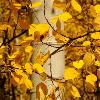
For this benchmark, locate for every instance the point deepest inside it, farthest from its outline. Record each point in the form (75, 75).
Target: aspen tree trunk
(57, 60)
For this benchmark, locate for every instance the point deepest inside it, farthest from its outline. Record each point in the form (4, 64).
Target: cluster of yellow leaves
(34, 5)
(78, 64)
(70, 73)
(5, 26)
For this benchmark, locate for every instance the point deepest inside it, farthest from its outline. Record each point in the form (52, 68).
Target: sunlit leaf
(97, 8)
(17, 5)
(5, 26)
(40, 28)
(58, 4)
(60, 38)
(45, 58)
(75, 92)
(89, 59)
(38, 68)
(97, 63)
(35, 5)
(95, 35)
(1, 56)
(64, 17)
(86, 43)
(28, 68)
(91, 79)
(78, 64)
(76, 6)
(28, 83)
(29, 49)
(70, 73)
(41, 91)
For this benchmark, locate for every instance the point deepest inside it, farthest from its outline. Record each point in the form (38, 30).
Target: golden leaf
(91, 79)
(60, 38)
(58, 4)
(70, 73)
(95, 35)
(38, 68)
(5, 26)
(41, 91)
(29, 49)
(28, 83)
(75, 92)
(17, 5)
(89, 59)
(1, 56)
(97, 8)
(35, 5)
(64, 17)
(76, 6)
(39, 30)
(45, 58)
(86, 43)
(97, 63)
(28, 68)
(78, 64)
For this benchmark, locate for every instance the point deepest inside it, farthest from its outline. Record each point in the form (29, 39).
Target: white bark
(57, 60)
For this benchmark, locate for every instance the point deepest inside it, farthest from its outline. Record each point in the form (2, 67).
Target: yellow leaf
(75, 92)
(91, 79)
(17, 5)
(41, 28)
(54, 19)
(45, 58)
(58, 4)
(14, 55)
(76, 6)
(32, 29)
(35, 5)
(29, 49)
(89, 59)
(78, 64)
(97, 63)
(5, 26)
(64, 17)
(95, 35)
(17, 80)
(97, 8)
(38, 68)
(19, 72)
(70, 73)
(28, 68)
(1, 56)
(28, 83)
(86, 43)
(60, 38)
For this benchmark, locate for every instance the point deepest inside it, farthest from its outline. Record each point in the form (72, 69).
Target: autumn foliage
(80, 37)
